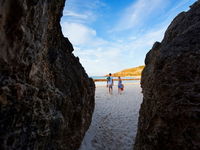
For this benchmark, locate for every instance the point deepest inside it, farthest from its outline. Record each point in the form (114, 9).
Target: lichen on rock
(46, 98)
(170, 112)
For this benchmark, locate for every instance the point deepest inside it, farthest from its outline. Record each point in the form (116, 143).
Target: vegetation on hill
(136, 71)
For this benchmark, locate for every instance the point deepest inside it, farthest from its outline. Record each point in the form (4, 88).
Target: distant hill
(129, 72)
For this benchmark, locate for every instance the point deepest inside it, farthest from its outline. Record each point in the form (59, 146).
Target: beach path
(114, 122)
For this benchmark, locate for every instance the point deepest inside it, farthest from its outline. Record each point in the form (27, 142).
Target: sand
(114, 122)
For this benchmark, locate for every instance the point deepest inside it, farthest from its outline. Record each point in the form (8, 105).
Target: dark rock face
(46, 98)
(170, 112)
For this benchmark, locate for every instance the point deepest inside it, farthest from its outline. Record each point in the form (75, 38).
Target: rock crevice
(46, 98)
(169, 115)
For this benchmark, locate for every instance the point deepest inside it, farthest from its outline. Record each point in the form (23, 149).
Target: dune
(136, 71)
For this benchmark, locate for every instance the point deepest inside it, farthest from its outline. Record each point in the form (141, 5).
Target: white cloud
(100, 56)
(86, 11)
(75, 15)
(80, 34)
(137, 13)
(100, 61)
(115, 56)
(152, 36)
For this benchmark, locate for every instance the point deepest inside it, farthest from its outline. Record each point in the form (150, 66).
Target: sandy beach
(114, 122)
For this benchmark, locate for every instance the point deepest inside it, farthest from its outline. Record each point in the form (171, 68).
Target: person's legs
(120, 91)
(110, 89)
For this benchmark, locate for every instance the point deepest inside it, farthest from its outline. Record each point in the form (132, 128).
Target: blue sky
(112, 35)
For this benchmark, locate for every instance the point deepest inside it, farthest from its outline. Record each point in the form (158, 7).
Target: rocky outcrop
(46, 98)
(136, 71)
(170, 112)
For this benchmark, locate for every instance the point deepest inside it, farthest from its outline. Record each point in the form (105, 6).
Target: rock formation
(46, 98)
(170, 112)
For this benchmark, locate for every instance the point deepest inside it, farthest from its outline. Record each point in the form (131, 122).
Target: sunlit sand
(114, 122)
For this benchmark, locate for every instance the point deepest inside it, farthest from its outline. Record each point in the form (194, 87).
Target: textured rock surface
(170, 112)
(46, 98)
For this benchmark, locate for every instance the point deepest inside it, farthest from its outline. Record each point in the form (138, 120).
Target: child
(120, 86)
(110, 83)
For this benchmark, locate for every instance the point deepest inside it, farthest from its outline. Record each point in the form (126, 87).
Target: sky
(111, 35)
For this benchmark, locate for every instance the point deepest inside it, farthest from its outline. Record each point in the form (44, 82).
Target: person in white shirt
(110, 83)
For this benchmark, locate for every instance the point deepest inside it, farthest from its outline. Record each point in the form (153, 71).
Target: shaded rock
(170, 112)
(46, 98)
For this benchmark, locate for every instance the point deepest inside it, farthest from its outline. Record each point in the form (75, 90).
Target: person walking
(110, 83)
(120, 85)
